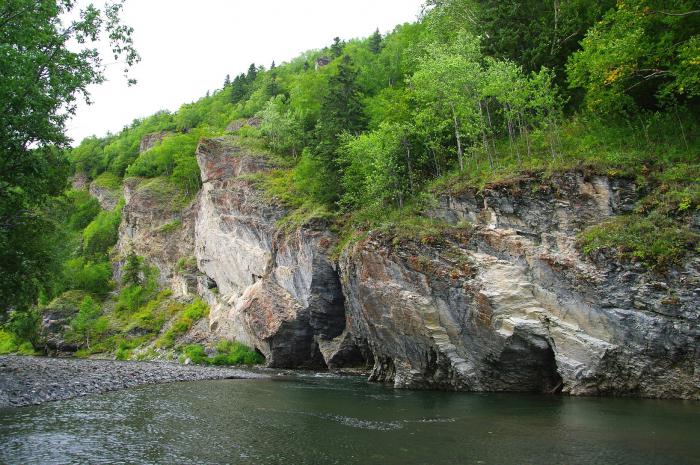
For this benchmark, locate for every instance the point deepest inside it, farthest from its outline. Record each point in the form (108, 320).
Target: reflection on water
(326, 419)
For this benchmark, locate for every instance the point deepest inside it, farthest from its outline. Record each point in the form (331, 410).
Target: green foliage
(655, 241)
(642, 53)
(93, 277)
(131, 298)
(83, 208)
(109, 181)
(11, 344)
(152, 316)
(195, 353)
(173, 157)
(88, 324)
(235, 353)
(47, 61)
(102, 233)
(24, 325)
(227, 353)
(378, 168)
(190, 315)
(131, 273)
(281, 127)
(169, 227)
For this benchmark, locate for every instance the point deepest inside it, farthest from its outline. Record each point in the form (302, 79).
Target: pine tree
(375, 42)
(252, 73)
(227, 81)
(273, 65)
(337, 47)
(239, 88)
(132, 270)
(341, 111)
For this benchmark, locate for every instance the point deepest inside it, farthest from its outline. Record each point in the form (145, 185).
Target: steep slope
(502, 300)
(511, 304)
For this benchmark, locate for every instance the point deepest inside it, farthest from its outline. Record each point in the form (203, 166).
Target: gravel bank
(34, 380)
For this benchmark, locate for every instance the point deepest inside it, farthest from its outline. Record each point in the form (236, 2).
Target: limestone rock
(154, 228)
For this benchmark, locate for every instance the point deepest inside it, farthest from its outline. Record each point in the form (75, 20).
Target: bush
(8, 342)
(131, 298)
(191, 314)
(655, 241)
(25, 326)
(235, 353)
(88, 276)
(102, 233)
(109, 181)
(82, 210)
(89, 324)
(194, 352)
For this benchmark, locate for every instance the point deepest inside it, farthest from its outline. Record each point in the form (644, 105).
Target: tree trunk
(460, 153)
(483, 135)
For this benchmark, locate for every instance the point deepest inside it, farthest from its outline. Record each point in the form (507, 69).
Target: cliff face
(276, 291)
(506, 303)
(513, 306)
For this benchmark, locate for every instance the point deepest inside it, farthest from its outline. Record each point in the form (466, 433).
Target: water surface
(325, 419)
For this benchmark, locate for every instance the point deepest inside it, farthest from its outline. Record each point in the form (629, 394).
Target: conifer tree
(375, 42)
(337, 47)
(341, 112)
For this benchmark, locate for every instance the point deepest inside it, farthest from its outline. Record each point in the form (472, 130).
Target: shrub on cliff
(102, 232)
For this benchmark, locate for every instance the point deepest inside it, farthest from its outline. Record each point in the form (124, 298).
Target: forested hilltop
(365, 133)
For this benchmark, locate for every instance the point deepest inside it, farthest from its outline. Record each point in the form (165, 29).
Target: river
(328, 419)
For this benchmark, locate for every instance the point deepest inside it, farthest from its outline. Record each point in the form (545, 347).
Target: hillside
(444, 205)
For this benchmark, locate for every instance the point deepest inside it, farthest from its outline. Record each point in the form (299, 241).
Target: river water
(327, 419)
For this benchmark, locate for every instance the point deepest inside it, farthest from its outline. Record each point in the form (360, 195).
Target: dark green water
(331, 420)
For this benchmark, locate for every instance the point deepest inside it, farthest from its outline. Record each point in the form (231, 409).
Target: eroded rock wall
(510, 304)
(503, 301)
(275, 290)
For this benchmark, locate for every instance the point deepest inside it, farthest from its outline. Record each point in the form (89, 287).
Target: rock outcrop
(157, 225)
(502, 301)
(150, 140)
(275, 290)
(509, 304)
(107, 198)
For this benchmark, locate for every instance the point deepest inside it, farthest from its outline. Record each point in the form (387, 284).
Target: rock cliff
(275, 290)
(502, 301)
(509, 304)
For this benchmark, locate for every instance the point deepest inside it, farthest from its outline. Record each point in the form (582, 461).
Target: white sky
(187, 47)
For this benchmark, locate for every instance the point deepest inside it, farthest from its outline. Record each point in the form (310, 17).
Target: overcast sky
(187, 47)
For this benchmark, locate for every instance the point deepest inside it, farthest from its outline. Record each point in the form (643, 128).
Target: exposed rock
(107, 198)
(80, 181)
(157, 227)
(275, 291)
(55, 321)
(514, 306)
(150, 140)
(239, 124)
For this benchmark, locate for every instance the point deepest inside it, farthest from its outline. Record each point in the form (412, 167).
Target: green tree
(643, 53)
(447, 86)
(41, 80)
(378, 168)
(132, 270)
(375, 42)
(88, 324)
(341, 111)
(337, 47)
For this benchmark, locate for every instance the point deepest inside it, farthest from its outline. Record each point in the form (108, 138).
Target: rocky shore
(35, 380)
